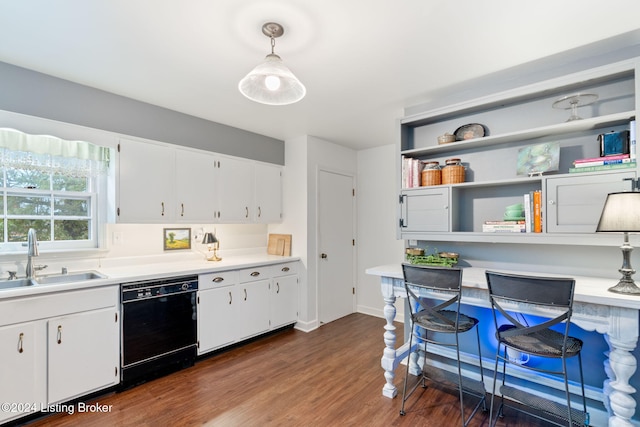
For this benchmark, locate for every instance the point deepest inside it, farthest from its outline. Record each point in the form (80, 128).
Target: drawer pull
(230, 298)
(217, 279)
(20, 342)
(255, 274)
(285, 269)
(59, 334)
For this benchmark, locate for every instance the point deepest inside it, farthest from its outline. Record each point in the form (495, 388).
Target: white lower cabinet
(57, 347)
(253, 308)
(217, 300)
(284, 295)
(23, 354)
(83, 352)
(239, 304)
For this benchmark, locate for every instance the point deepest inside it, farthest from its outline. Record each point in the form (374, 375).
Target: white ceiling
(362, 61)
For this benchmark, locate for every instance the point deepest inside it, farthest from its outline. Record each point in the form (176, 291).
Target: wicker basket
(431, 174)
(431, 177)
(453, 172)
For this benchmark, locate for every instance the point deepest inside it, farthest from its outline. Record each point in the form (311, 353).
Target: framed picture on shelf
(539, 158)
(177, 238)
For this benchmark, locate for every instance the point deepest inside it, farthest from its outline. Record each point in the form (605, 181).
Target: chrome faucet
(32, 250)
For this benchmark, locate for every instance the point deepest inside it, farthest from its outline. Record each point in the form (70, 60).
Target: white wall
(294, 195)
(304, 157)
(376, 228)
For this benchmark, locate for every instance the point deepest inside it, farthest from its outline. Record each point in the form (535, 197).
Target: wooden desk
(595, 309)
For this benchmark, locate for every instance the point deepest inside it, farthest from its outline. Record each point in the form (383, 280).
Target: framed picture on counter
(177, 238)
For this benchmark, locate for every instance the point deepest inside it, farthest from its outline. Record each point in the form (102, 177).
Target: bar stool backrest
(552, 291)
(433, 277)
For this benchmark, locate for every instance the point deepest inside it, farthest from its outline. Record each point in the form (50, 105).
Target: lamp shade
(209, 238)
(272, 83)
(621, 213)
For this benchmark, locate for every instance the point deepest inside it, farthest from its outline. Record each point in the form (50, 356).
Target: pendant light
(271, 82)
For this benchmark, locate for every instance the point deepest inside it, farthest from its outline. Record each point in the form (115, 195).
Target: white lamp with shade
(621, 214)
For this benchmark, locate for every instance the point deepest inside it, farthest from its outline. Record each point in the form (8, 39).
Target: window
(52, 186)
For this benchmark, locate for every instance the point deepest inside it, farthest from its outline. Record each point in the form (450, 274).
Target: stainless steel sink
(69, 278)
(52, 279)
(16, 283)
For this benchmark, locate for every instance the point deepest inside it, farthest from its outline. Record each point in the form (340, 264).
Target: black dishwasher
(159, 328)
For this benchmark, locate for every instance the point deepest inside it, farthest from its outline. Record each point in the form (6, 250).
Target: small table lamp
(621, 213)
(213, 245)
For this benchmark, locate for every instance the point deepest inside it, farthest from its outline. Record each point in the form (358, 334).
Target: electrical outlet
(118, 237)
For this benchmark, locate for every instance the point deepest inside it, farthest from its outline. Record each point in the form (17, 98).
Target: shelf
(518, 238)
(540, 132)
(493, 183)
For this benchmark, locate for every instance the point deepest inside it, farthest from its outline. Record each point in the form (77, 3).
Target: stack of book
(531, 221)
(506, 226)
(617, 161)
(411, 172)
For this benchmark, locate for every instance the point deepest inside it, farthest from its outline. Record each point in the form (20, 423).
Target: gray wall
(602, 52)
(36, 94)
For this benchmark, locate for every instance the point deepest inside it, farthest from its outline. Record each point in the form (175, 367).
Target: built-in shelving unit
(516, 119)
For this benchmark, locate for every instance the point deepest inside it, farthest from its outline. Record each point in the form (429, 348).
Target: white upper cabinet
(160, 183)
(235, 190)
(195, 187)
(146, 183)
(249, 191)
(268, 193)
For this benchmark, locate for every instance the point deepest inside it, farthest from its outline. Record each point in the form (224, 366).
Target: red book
(600, 159)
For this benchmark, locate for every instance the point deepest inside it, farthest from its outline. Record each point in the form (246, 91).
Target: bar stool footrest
(545, 405)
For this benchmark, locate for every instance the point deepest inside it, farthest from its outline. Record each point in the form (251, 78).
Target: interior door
(335, 246)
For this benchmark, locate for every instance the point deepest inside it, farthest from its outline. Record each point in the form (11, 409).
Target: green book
(603, 167)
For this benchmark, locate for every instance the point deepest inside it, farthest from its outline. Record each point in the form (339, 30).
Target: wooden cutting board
(279, 244)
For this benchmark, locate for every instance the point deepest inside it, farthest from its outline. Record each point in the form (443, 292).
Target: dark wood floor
(328, 377)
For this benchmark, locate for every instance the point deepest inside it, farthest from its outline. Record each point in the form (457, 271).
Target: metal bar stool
(553, 299)
(432, 320)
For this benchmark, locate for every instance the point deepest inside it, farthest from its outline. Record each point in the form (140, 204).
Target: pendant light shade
(271, 82)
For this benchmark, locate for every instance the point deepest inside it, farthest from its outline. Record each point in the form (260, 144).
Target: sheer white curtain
(50, 154)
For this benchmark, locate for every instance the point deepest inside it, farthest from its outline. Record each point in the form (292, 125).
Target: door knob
(323, 256)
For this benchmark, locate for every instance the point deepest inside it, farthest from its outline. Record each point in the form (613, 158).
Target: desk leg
(388, 361)
(620, 366)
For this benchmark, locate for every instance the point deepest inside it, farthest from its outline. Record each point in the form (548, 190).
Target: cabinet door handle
(230, 298)
(162, 213)
(59, 334)
(277, 288)
(551, 202)
(217, 279)
(20, 342)
(285, 269)
(403, 211)
(323, 256)
(181, 209)
(259, 212)
(246, 215)
(255, 274)
(245, 294)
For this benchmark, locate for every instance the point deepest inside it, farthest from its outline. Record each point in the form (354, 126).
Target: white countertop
(592, 290)
(164, 267)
